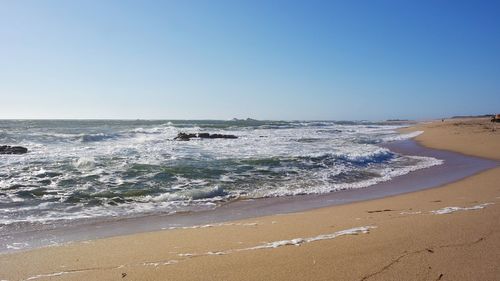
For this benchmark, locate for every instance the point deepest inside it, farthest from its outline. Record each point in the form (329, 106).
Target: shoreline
(460, 132)
(455, 167)
(396, 237)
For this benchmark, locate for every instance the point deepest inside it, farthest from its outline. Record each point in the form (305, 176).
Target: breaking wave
(79, 170)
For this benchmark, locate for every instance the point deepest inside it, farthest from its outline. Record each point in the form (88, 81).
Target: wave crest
(96, 137)
(85, 163)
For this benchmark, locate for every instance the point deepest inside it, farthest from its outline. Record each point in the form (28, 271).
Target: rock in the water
(220, 136)
(7, 149)
(186, 137)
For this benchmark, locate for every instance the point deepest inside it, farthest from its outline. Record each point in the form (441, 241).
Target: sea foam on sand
(448, 210)
(294, 242)
(299, 241)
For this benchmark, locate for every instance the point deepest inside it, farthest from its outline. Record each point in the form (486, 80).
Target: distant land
(473, 116)
(397, 120)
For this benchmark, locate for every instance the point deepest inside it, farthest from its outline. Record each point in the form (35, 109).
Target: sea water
(77, 170)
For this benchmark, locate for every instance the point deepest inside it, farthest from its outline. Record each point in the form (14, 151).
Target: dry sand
(407, 240)
(475, 136)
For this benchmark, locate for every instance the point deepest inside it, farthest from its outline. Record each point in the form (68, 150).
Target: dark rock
(186, 137)
(7, 149)
(220, 136)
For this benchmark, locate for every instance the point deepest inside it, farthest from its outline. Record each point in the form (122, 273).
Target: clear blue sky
(260, 59)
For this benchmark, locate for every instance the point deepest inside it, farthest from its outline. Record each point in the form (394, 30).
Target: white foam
(213, 225)
(156, 264)
(50, 275)
(385, 175)
(16, 246)
(206, 193)
(292, 242)
(85, 163)
(54, 274)
(299, 241)
(403, 136)
(364, 153)
(448, 210)
(216, 253)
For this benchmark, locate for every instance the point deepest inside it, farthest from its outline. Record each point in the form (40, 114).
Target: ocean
(78, 170)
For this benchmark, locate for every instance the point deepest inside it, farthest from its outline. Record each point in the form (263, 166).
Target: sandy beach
(450, 232)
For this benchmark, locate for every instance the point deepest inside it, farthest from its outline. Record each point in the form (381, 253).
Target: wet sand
(404, 237)
(475, 136)
(455, 167)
